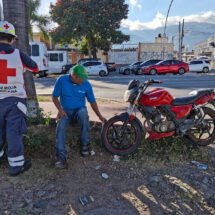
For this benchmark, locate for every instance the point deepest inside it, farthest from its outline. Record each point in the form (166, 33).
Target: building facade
(205, 48)
(126, 54)
(160, 49)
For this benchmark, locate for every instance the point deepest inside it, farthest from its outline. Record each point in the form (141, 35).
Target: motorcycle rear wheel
(204, 133)
(119, 141)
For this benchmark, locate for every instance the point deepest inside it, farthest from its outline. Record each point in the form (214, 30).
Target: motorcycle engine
(160, 121)
(164, 126)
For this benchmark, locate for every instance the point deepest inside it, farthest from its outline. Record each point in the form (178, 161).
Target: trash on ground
(98, 167)
(86, 200)
(92, 153)
(105, 175)
(199, 165)
(116, 158)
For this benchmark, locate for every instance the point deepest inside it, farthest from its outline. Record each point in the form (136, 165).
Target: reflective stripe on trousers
(1, 153)
(16, 161)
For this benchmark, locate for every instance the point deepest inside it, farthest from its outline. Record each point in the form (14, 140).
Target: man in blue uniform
(73, 89)
(13, 99)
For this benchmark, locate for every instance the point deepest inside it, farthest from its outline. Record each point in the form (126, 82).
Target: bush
(41, 118)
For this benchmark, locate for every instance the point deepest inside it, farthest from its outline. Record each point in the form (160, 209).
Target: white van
(57, 59)
(40, 56)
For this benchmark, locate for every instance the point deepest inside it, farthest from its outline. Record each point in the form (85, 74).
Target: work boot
(18, 170)
(87, 151)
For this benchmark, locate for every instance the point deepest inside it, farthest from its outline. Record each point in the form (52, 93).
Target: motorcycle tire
(203, 130)
(121, 144)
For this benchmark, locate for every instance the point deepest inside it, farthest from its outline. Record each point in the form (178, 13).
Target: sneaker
(61, 164)
(16, 171)
(87, 151)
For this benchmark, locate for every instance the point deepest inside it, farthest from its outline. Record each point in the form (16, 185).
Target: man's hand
(61, 114)
(97, 112)
(103, 120)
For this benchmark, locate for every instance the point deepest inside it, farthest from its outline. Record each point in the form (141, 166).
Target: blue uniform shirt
(73, 95)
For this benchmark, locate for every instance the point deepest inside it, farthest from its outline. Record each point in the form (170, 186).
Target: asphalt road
(114, 85)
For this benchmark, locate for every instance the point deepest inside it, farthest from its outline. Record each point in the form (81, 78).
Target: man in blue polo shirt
(69, 96)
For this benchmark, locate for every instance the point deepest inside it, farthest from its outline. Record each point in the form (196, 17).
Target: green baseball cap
(80, 71)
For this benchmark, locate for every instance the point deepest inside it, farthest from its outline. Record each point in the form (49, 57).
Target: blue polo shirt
(73, 95)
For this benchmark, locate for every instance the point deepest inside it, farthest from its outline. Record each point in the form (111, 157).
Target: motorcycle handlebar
(157, 82)
(148, 82)
(151, 81)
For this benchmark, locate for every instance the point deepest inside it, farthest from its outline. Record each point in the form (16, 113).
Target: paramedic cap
(7, 28)
(80, 71)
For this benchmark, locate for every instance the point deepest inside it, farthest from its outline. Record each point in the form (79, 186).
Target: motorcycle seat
(192, 98)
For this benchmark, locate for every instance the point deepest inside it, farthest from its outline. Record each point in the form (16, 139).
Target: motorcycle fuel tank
(156, 97)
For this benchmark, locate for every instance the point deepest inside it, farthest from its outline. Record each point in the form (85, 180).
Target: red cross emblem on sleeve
(5, 72)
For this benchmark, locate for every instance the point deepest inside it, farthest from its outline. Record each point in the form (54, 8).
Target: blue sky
(150, 14)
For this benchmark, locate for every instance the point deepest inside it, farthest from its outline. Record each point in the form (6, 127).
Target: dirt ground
(140, 184)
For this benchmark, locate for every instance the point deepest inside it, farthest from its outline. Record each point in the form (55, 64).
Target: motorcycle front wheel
(204, 133)
(120, 138)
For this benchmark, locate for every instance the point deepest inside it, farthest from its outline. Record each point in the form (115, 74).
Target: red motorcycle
(163, 116)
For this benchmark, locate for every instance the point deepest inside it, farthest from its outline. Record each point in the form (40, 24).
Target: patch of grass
(171, 149)
(44, 98)
(39, 141)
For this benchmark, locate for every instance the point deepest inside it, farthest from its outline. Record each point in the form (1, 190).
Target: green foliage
(98, 22)
(37, 135)
(41, 118)
(35, 140)
(83, 48)
(40, 21)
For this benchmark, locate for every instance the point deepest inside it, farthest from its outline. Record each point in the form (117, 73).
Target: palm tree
(39, 21)
(16, 12)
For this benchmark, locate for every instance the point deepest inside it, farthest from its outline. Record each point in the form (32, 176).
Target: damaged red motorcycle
(163, 116)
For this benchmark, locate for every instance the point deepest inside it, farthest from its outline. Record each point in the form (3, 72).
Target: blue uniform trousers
(12, 127)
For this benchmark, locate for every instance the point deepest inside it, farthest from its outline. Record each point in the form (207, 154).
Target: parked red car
(167, 66)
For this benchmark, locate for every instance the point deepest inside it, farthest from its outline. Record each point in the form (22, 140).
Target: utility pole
(180, 38)
(179, 41)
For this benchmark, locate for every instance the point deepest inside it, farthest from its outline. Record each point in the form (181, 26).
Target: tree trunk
(16, 12)
(92, 48)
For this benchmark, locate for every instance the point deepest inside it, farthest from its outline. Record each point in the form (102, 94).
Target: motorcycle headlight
(130, 95)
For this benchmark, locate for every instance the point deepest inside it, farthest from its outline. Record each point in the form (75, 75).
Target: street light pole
(164, 33)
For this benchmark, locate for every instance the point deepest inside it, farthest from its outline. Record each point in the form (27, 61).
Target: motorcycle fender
(125, 116)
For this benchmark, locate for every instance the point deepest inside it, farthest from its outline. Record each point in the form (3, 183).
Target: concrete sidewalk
(107, 109)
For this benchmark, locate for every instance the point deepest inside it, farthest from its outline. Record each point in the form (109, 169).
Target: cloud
(159, 21)
(44, 10)
(135, 3)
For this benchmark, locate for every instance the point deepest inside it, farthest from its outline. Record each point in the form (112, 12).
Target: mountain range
(193, 33)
